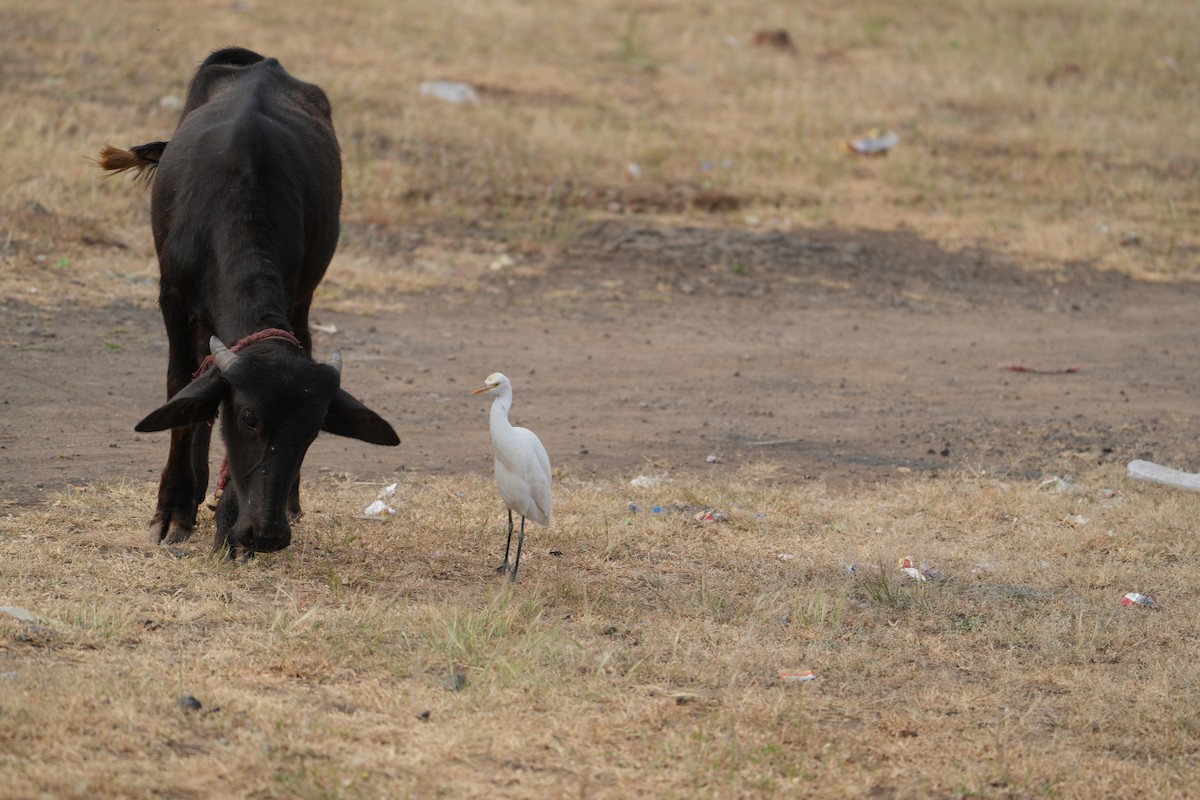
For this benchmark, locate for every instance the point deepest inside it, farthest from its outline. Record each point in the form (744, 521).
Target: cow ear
(196, 402)
(348, 417)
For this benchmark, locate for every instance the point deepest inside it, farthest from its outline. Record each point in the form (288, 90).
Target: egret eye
(249, 419)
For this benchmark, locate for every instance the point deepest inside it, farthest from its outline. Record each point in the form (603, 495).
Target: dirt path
(645, 348)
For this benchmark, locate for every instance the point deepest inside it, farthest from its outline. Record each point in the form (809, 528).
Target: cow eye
(249, 419)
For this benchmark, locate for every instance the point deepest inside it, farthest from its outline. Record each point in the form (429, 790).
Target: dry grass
(642, 660)
(1063, 131)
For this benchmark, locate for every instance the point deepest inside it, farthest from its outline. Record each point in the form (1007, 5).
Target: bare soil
(653, 346)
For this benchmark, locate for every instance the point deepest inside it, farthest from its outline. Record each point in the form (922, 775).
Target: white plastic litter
(876, 143)
(23, 614)
(906, 566)
(646, 481)
(450, 91)
(1156, 473)
(379, 508)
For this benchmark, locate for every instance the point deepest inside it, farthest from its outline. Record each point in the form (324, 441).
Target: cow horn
(335, 361)
(222, 355)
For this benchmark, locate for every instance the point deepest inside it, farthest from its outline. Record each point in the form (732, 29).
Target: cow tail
(143, 158)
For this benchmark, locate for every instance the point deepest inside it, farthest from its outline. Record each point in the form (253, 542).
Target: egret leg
(517, 562)
(503, 568)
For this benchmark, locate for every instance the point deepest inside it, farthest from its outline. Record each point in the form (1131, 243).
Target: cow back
(247, 196)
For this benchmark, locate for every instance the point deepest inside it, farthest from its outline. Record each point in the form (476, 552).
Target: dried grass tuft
(641, 653)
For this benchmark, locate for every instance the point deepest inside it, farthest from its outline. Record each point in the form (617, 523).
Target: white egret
(522, 466)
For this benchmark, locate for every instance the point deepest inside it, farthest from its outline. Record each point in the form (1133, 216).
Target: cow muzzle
(263, 539)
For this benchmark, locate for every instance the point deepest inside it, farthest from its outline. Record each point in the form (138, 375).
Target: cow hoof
(172, 532)
(154, 533)
(177, 533)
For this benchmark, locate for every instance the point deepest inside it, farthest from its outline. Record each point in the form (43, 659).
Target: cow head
(273, 401)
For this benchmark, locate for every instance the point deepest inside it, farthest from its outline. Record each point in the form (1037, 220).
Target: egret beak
(481, 390)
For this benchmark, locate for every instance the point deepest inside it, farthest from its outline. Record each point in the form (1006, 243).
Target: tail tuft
(142, 158)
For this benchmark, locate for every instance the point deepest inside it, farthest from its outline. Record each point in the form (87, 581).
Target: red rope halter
(263, 335)
(206, 364)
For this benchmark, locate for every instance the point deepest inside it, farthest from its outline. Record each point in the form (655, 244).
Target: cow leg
(299, 322)
(175, 514)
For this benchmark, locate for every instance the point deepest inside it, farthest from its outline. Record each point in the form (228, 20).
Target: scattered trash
(796, 675)
(983, 568)
(1075, 519)
(24, 615)
(1156, 473)
(710, 516)
(633, 507)
(646, 481)
(502, 261)
(1133, 599)
(330, 328)
(1038, 371)
(10, 676)
(875, 143)
(711, 458)
(657, 510)
(170, 102)
(450, 91)
(779, 39)
(906, 566)
(1065, 484)
(379, 508)
(708, 166)
(789, 557)
(633, 171)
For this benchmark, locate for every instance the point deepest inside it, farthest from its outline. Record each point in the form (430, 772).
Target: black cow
(244, 210)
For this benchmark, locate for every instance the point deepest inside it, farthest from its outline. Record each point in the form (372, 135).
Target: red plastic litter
(1133, 599)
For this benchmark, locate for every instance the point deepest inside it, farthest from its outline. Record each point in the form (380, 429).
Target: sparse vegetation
(644, 658)
(1055, 132)
(383, 658)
